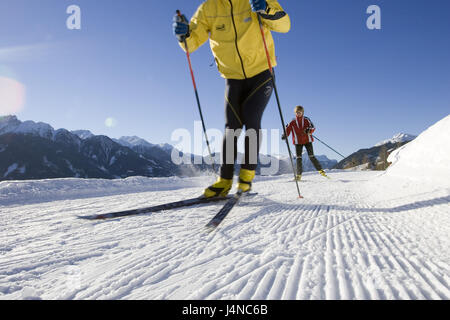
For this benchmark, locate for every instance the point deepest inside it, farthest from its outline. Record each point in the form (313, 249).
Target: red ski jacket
(302, 129)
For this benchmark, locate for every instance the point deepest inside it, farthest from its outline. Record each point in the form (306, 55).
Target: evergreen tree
(382, 163)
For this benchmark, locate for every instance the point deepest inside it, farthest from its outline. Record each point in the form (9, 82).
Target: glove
(258, 5)
(180, 27)
(308, 131)
(283, 137)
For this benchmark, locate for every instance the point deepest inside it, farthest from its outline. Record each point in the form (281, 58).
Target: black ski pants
(309, 149)
(245, 102)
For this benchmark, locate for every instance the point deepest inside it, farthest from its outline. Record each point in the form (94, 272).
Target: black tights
(309, 149)
(245, 102)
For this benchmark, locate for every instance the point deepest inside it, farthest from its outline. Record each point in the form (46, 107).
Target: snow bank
(35, 191)
(425, 159)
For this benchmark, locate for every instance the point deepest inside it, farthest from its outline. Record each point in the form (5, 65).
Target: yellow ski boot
(324, 174)
(220, 188)
(245, 180)
(298, 177)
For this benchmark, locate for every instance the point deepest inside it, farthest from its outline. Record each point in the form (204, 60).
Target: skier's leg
(234, 91)
(259, 91)
(316, 163)
(233, 126)
(299, 152)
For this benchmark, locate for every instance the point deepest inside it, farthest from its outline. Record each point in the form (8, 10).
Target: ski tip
(85, 217)
(210, 227)
(99, 217)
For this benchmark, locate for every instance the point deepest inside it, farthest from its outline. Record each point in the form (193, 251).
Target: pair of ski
(230, 202)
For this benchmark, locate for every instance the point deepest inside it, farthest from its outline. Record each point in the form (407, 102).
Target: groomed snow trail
(349, 238)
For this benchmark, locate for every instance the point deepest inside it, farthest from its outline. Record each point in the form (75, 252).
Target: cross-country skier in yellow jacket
(235, 39)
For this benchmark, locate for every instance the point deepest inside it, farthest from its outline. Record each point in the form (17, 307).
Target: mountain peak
(134, 141)
(10, 124)
(83, 134)
(399, 137)
(8, 118)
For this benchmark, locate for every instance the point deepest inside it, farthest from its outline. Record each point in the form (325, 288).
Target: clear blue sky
(359, 86)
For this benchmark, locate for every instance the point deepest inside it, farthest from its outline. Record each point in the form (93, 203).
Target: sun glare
(12, 96)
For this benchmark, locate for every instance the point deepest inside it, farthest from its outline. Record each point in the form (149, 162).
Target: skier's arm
(310, 128)
(275, 18)
(198, 31)
(289, 129)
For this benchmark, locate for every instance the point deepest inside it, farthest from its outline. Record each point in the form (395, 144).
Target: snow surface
(426, 158)
(360, 235)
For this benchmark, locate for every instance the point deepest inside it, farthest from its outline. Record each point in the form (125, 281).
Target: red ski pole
(180, 16)
(278, 101)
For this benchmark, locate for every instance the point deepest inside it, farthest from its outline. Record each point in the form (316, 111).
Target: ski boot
(298, 177)
(323, 174)
(220, 188)
(245, 180)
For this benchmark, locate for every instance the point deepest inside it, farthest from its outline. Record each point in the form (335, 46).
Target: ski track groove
(378, 263)
(426, 278)
(397, 265)
(406, 293)
(276, 291)
(293, 279)
(342, 277)
(331, 281)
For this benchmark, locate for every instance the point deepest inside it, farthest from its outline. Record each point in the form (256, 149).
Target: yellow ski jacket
(235, 36)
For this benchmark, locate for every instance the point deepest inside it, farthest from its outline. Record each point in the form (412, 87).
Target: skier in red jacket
(302, 129)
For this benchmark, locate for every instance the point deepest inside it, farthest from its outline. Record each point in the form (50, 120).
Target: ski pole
(181, 19)
(278, 101)
(329, 147)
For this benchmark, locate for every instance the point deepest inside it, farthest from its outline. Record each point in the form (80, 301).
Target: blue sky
(359, 86)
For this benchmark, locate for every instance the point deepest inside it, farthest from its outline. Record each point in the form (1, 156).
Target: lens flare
(110, 122)
(12, 96)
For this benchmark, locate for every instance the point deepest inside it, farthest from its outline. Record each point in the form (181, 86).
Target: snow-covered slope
(360, 235)
(336, 243)
(427, 158)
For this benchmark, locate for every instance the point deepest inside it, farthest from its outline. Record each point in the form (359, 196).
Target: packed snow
(359, 235)
(425, 159)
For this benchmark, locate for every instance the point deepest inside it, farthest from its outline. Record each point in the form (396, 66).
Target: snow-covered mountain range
(35, 150)
(31, 150)
(375, 157)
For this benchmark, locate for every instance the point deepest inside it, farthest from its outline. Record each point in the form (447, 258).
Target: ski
(161, 207)
(227, 207)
